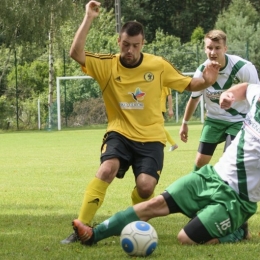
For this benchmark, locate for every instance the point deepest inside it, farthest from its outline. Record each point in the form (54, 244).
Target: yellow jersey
(132, 95)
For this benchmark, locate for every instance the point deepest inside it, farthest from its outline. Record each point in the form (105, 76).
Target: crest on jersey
(149, 76)
(235, 80)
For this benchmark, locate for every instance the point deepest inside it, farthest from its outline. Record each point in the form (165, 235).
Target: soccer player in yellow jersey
(131, 83)
(167, 98)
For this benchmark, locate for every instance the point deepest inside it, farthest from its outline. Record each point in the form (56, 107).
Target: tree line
(35, 38)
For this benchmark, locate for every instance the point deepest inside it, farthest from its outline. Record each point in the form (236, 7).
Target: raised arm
(77, 48)
(235, 93)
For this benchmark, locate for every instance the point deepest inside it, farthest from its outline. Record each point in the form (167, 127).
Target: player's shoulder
(102, 56)
(149, 56)
(235, 58)
(202, 66)
(156, 59)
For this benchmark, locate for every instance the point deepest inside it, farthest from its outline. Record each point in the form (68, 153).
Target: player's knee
(146, 192)
(184, 239)
(108, 170)
(145, 186)
(202, 160)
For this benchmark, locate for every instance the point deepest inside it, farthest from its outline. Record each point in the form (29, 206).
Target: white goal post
(58, 79)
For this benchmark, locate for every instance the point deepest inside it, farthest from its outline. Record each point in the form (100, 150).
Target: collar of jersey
(136, 65)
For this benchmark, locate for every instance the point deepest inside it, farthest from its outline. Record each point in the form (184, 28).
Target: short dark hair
(132, 28)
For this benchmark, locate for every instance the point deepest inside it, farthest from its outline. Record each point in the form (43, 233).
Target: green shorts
(215, 131)
(205, 195)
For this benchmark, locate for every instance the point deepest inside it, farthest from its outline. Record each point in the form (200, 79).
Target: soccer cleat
(247, 234)
(84, 233)
(173, 147)
(72, 238)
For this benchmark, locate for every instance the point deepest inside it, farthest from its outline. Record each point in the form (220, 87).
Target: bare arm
(77, 48)
(189, 110)
(209, 77)
(170, 109)
(235, 93)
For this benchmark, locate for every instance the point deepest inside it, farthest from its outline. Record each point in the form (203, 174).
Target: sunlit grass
(42, 181)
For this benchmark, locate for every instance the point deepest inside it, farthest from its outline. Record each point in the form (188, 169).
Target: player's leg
(113, 146)
(195, 233)
(183, 190)
(146, 191)
(95, 194)
(161, 205)
(173, 144)
(147, 167)
(229, 139)
(231, 133)
(96, 190)
(219, 221)
(204, 154)
(212, 134)
(156, 207)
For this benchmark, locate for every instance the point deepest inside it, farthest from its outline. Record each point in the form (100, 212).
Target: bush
(88, 112)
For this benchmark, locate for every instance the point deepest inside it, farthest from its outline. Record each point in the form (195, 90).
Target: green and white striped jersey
(237, 70)
(240, 164)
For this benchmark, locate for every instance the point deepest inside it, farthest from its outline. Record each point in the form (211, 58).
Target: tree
(181, 17)
(197, 35)
(240, 23)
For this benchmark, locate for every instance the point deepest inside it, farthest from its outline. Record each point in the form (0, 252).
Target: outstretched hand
(226, 100)
(210, 72)
(92, 8)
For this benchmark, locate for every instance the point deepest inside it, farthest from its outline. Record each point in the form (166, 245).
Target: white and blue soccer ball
(139, 238)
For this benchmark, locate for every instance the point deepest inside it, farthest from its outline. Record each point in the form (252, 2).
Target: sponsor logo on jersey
(213, 95)
(253, 125)
(149, 76)
(134, 105)
(137, 96)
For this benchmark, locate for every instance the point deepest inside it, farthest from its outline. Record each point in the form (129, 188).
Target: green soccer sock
(234, 237)
(115, 224)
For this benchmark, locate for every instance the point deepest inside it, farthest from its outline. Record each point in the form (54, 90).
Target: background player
(220, 125)
(166, 98)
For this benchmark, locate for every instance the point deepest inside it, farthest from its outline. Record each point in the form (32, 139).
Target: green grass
(42, 181)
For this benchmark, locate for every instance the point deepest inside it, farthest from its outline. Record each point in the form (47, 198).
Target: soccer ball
(138, 238)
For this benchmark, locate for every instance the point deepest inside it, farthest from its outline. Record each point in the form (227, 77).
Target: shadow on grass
(38, 237)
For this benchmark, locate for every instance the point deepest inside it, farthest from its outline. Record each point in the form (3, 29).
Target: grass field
(42, 181)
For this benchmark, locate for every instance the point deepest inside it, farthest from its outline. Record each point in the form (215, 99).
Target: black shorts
(209, 148)
(143, 157)
(195, 229)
